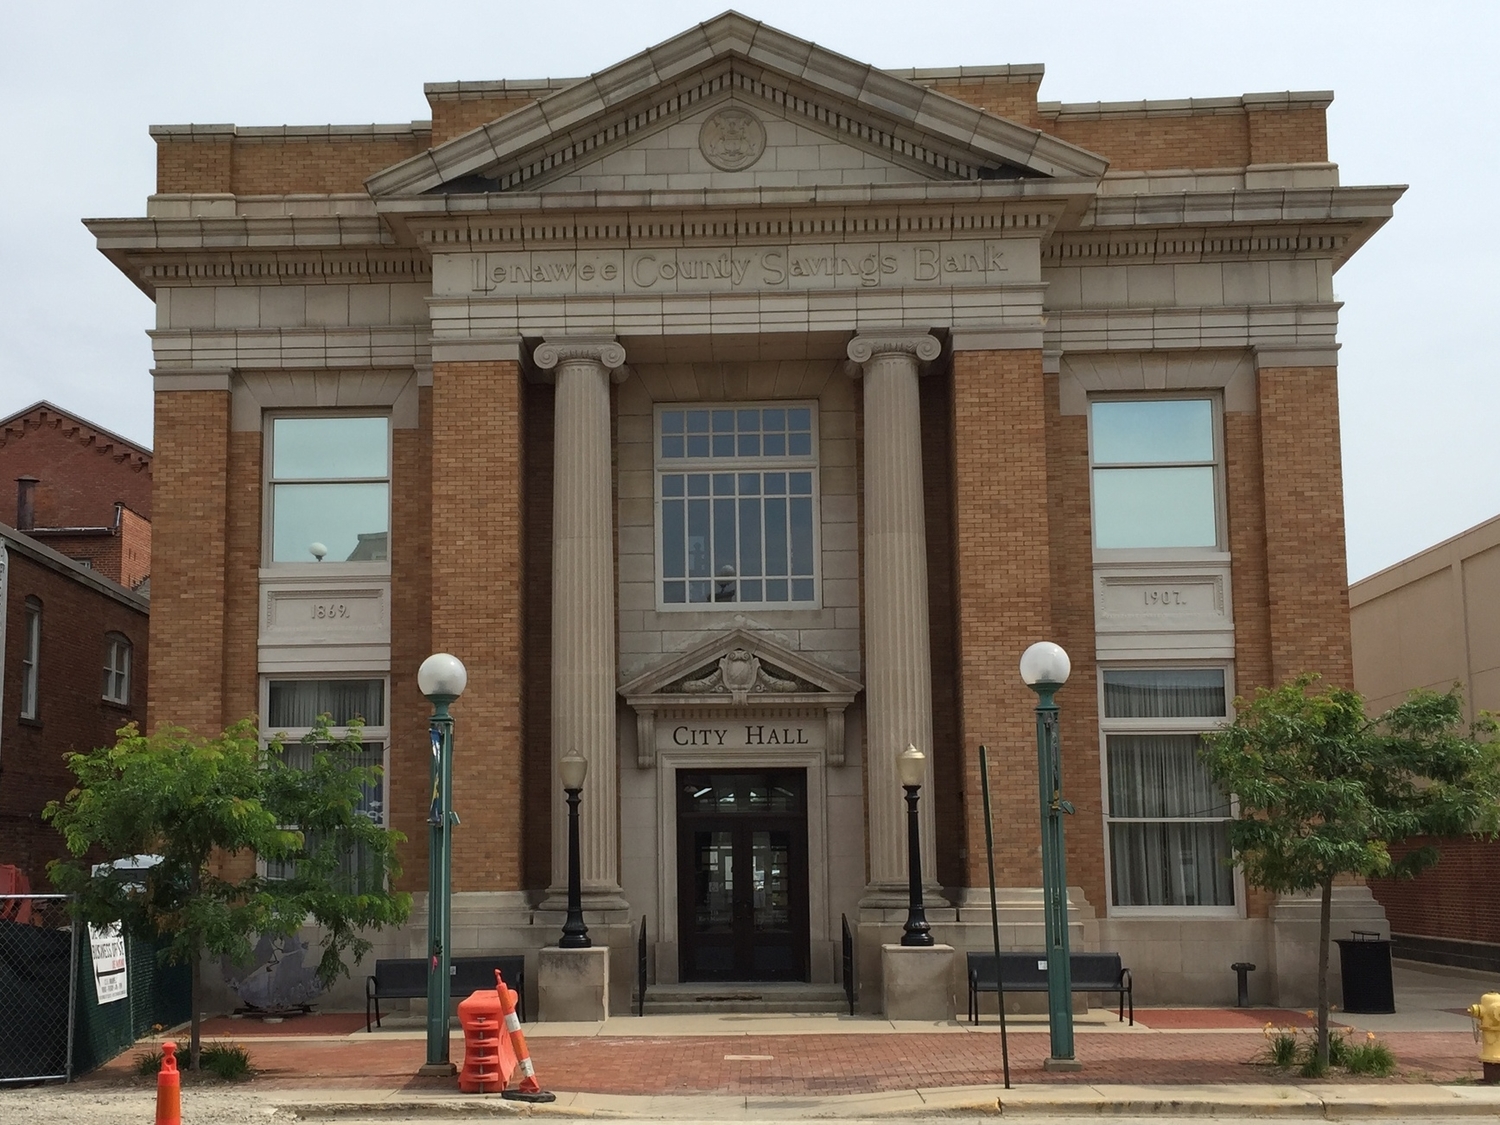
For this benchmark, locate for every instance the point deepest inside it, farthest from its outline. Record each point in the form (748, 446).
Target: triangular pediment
(795, 93)
(738, 664)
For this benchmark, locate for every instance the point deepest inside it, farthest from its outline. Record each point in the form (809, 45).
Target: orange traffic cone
(168, 1088)
(530, 1089)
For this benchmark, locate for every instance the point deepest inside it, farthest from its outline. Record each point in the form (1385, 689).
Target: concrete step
(745, 997)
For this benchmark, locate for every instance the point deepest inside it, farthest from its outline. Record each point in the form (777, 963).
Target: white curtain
(298, 703)
(1164, 693)
(1171, 846)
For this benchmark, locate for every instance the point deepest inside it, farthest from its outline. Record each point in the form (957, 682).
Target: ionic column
(583, 609)
(898, 677)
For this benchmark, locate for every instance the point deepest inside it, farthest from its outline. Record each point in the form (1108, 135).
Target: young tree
(1324, 791)
(208, 808)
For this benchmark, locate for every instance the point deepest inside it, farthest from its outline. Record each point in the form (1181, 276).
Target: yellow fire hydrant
(1486, 1016)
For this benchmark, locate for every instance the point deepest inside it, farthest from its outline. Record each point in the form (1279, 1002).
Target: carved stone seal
(732, 139)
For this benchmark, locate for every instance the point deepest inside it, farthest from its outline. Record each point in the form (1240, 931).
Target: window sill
(1182, 913)
(1158, 556)
(29, 721)
(116, 705)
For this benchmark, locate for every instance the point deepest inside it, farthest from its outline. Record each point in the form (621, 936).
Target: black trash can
(1365, 969)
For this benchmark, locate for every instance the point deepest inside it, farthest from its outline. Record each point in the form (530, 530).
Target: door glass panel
(714, 871)
(770, 858)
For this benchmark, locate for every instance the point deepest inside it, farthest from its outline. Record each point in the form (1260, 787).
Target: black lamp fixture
(573, 768)
(911, 766)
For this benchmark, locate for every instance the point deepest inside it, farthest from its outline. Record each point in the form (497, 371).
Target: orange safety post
(489, 1060)
(530, 1090)
(168, 1088)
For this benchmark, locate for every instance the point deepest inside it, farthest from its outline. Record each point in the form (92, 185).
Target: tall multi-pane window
(1155, 467)
(31, 659)
(329, 489)
(116, 668)
(293, 706)
(737, 491)
(1168, 823)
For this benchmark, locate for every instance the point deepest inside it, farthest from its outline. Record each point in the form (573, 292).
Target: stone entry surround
(747, 218)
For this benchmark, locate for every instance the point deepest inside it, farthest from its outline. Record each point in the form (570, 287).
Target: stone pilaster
(898, 681)
(583, 609)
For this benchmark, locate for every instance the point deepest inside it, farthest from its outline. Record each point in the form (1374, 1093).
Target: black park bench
(405, 978)
(1027, 972)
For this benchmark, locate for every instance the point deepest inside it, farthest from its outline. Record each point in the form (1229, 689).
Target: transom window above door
(736, 498)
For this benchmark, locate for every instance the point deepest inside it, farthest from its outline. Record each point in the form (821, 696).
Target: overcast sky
(1415, 105)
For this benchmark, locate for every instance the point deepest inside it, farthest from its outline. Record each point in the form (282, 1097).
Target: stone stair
(745, 997)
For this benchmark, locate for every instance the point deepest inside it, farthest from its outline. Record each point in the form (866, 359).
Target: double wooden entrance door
(742, 875)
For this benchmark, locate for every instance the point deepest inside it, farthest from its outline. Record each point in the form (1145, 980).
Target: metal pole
(1054, 881)
(916, 930)
(575, 933)
(440, 819)
(989, 851)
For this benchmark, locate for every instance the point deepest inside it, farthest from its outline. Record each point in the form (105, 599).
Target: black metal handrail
(640, 970)
(848, 962)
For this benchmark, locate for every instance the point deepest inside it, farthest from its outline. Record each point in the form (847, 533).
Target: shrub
(229, 1061)
(1370, 1057)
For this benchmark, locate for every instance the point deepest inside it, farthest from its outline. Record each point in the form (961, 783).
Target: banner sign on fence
(108, 946)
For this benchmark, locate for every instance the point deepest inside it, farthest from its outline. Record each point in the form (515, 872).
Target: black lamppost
(912, 768)
(574, 767)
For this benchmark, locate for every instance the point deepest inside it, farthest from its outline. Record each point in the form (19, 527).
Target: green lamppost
(1045, 667)
(442, 679)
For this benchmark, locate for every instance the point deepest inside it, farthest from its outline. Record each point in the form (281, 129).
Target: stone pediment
(742, 90)
(739, 674)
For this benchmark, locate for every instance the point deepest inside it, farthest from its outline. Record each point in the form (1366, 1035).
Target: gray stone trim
(263, 133)
(1317, 355)
(998, 338)
(1015, 73)
(502, 87)
(900, 111)
(1299, 326)
(475, 349)
(1230, 370)
(1185, 107)
(195, 379)
(254, 392)
(272, 348)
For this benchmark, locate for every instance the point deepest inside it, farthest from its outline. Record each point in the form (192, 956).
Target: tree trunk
(197, 1016)
(1325, 927)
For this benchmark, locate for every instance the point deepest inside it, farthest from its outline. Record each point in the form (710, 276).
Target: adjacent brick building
(739, 415)
(1433, 621)
(80, 489)
(73, 658)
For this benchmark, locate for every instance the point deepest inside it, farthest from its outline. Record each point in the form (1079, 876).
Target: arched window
(116, 668)
(31, 657)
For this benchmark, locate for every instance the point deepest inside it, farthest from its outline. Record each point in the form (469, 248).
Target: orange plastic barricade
(168, 1088)
(489, 1060)
(530, 1090)
(13, 881)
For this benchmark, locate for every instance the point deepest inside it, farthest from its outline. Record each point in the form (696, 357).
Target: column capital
(606, 351)
(921, 346)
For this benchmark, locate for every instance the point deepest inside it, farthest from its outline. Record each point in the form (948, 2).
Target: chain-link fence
(53, 1021)
(38, 962)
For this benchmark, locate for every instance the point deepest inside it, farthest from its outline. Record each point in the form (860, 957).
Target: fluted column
(898, 676)
(583, 609)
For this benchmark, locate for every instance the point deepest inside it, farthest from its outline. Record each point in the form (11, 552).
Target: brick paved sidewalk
(818, 1064)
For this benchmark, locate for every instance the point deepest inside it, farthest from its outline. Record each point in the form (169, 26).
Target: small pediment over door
(740, 690)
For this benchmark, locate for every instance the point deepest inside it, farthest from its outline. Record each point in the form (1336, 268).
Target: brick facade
(478, 610)
(72, 714)
(1303, 490)
(1003, 589)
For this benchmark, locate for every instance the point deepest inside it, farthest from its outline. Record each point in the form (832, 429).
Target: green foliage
(1372, 1058)
(1324, 791)
(1282, 1046)
(1288, 1047)
(230, 1061)
(208, 808)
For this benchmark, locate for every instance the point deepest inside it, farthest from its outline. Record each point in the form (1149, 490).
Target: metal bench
(1027, 972)
(405, 978)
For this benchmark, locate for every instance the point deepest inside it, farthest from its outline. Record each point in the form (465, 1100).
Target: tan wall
(1003, 590)
(188, 548)
(278, 167)
(477, 612)
(1304, 502)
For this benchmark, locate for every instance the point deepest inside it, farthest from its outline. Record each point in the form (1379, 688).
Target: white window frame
(1215, 399)
(269, 481)
(293, 735)
(118, 653)
(31, 661)
(1190, 725)
(812, 463)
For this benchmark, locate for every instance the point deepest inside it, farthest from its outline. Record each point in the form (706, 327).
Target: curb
(1288, 1102)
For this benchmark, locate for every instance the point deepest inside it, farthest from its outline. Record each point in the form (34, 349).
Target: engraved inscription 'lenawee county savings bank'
(732, 269)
